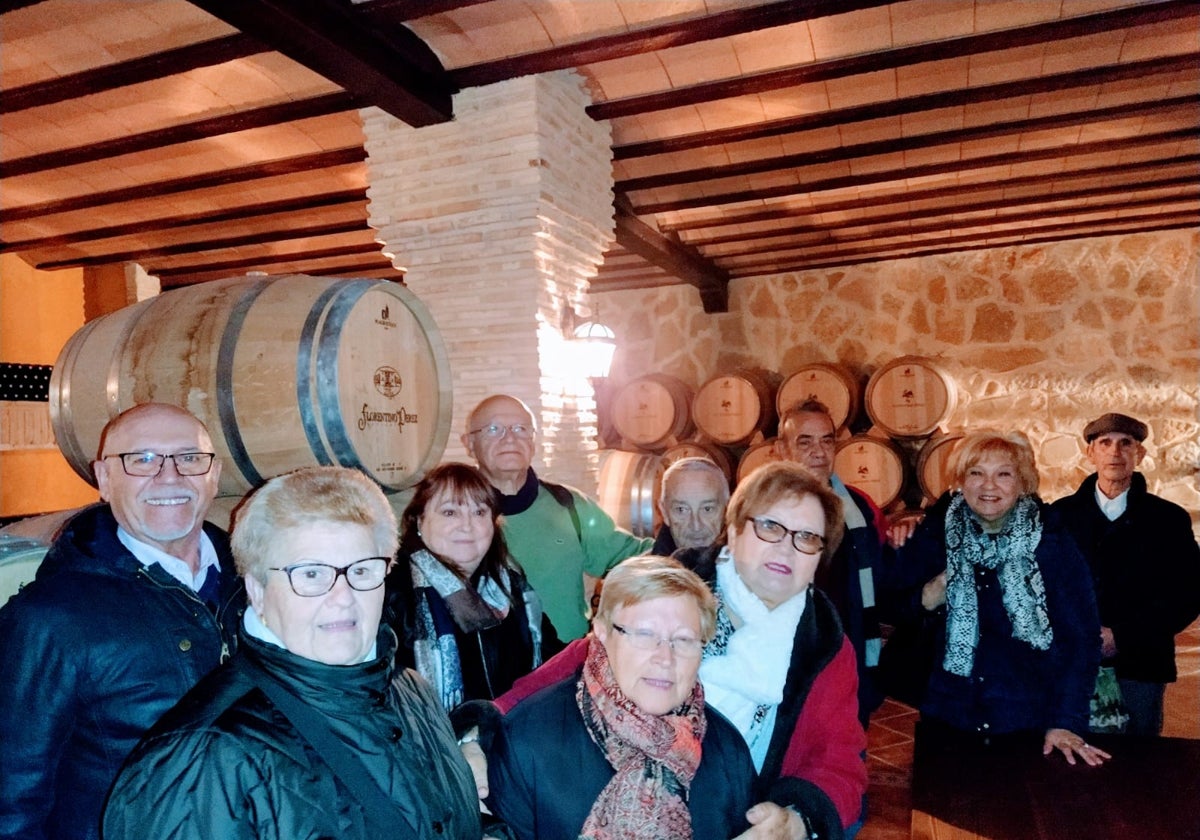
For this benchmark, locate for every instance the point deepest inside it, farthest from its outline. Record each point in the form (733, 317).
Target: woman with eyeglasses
(309, 731)
(624, 745)
(466, 617)
(778, 667)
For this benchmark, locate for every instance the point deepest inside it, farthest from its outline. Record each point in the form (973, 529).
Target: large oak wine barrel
(628, 488)
(755, 457)
(833, 385)
(653, 411)
(910, 397)
(286, 372)
(695, 449)
(873, 465)
(731, 408)
(933, 464)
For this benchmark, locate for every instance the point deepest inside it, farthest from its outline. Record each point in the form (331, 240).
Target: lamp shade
(595, 345)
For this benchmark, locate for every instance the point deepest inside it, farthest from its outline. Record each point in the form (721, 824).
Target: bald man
(135, 601)
(556, 533)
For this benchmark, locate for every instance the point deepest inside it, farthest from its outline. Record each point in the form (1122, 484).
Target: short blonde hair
(303, 497)
(649, 576)
(785, 480)
(1014, 445)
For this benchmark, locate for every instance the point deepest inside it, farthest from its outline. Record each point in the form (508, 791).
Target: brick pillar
(499, 219)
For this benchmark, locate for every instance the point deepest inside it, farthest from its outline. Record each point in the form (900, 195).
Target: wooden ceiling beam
(398, 73)
(1127, 191)
(318, 106)
(1006, 159)
(1140, 169)
(1187, 105)
(143, 254)
(1173, 223)
(910, 105)
(413, 9)
(135, 71)
(664, 36)
(967, 242)
(306, 204)
(680, 261)
(174, 186)
(248, 263)
(969, 45)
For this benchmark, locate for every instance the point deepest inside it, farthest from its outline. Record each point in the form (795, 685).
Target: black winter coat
(1146, 568)
(225, 763)
(92, 653)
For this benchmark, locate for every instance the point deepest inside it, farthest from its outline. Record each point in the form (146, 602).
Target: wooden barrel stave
(873, 465)
(735, 408)
(933, 463)
(653, 411)
(910, 397)
(833, 385)
(628, 487)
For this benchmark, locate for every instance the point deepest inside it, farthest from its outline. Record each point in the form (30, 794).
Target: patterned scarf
(655, 758)
(1011, 555)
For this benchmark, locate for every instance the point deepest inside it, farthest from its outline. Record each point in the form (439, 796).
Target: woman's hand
(1072, 745)
(768, 821)
(933, 593)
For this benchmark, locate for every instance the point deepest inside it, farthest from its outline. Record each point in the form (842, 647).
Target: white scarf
(752, 671)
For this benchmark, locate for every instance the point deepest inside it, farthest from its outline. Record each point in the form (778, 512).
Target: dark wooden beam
(319, 106)
(1187, 105)
(247, 263)
(143, 254)
(134, 71)
(635, 235)
(967, 242)
(923, 171)
(328, 201)
(175, 186)
(904, 106)
(1141, 169)
(664, 36)
(912, 213)
(413, 9)
(405, 80)
(970, 45)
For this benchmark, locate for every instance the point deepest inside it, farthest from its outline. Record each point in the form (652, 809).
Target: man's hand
(477, 761)
(768, 821)
(933, 594)
(901, 529)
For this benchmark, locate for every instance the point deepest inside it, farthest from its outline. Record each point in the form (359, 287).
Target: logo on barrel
(387, 381)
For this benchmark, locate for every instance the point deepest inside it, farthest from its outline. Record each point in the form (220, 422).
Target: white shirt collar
(1112, 508)
(148, 555)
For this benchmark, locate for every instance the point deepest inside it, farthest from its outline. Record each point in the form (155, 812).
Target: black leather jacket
(92, 653)
(225, 763)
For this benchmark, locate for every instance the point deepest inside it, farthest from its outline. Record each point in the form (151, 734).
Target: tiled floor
(890, 743)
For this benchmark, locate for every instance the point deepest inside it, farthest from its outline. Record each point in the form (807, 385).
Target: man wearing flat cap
(1145, 564)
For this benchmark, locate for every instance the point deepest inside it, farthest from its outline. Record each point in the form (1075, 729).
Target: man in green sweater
(555, 533)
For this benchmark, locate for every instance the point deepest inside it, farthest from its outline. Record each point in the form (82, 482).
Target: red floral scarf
(655, 758)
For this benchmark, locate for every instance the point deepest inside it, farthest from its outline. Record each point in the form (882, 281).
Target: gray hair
(695, 464)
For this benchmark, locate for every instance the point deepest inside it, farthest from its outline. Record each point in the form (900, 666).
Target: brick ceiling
(206, 139)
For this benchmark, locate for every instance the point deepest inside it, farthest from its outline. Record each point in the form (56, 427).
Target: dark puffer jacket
(92, 653)
(1146, 567)
(227, 763)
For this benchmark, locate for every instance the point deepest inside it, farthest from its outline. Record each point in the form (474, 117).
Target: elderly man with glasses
(555, 533)
(136, 600)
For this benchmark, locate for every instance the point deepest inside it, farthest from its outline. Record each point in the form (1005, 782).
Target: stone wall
(1038, 338)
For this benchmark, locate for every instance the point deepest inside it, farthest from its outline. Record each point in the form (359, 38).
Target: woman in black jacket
(308, 732)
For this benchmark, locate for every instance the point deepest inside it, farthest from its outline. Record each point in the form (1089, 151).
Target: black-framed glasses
(684, 647)
(498, 430)
(150, 464)
(806, 542)
(309, 580)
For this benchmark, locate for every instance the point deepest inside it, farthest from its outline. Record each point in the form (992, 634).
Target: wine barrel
(910, 397)
(19, 561)
(731, 408)
(755, 457)
(653, 411)
(628, 488)
(694, 449)
(873, 465)
(286, 372)
(933, 462)
(833, 385)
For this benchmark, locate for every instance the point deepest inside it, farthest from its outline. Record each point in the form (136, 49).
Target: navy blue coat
(1013, 687)
(92, 653)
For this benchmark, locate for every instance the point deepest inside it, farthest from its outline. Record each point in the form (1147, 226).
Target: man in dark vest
(1145, 565)
(135, 601)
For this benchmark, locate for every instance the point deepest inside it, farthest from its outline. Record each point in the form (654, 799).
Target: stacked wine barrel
(898, 456)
